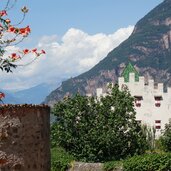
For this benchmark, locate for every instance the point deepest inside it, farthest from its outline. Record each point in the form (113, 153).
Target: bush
(60, 159)
(166, 138)
(96, 130)
(150, 133)
(148, 162)
(112, 165)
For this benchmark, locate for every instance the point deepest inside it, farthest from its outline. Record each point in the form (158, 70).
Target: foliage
(112, 165)
(60, 159)
(166, 138)
(148, 162)
(158, 145)
(11, 34)
(150, 136)
(96, 130)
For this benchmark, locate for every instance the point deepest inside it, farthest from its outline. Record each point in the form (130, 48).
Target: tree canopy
(97, 130)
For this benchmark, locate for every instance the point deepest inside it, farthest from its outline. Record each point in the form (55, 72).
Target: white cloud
(73, 54)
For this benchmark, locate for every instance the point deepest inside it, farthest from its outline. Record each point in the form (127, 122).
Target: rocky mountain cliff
(148, 49)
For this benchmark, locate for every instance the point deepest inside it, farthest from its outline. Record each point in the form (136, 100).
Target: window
(158, 100)
(158, 121)
(158, 124)
(157, 104)
(138, 100)
(158, 127)
(138, 104)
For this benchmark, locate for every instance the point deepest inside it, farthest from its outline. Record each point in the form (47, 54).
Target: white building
(152, 104)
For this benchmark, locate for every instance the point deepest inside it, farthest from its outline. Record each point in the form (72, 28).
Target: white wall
(148, 113)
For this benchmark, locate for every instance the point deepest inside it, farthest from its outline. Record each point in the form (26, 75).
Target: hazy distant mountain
(148, 48)
(10, 98)
(33, 95)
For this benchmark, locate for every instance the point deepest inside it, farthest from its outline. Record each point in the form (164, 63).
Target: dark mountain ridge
(148, 49)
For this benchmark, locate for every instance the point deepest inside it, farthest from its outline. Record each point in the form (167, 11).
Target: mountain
(10, 98)
(148, 49)
(33, 95)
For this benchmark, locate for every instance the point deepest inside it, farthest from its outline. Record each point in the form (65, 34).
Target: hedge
(60, 159)
(148, 162)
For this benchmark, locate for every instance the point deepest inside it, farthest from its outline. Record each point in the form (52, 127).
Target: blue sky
(76, 35)
(91, 16)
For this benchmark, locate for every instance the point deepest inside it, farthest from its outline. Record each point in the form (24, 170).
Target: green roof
(130, 69)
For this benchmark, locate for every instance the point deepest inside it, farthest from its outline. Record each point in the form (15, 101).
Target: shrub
(150, 133)
(96, 130)
(60, 159)
(148, 162)
(166, 138)
(112, 165)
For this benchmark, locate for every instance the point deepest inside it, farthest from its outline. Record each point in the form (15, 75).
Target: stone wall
(24, 138)
(80, 166)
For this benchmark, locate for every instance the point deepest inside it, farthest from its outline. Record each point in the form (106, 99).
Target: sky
(76, 35)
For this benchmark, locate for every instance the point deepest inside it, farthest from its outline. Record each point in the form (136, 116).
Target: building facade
(152, 104)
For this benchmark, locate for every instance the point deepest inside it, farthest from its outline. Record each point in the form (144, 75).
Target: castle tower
(152, 105)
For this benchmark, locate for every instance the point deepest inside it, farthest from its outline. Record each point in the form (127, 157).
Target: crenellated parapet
(140, 87)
